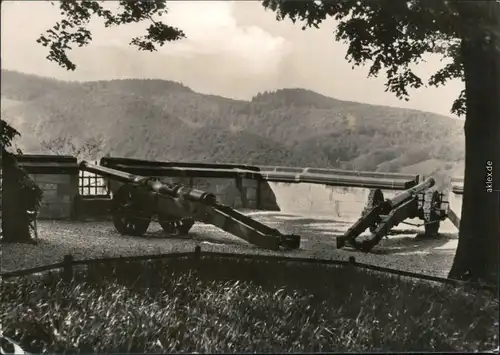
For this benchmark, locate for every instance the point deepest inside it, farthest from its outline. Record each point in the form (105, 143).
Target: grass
(242, 306)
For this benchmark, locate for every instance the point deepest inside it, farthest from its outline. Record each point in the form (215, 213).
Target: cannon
(328, 177)
(177, 207)
(381, 215)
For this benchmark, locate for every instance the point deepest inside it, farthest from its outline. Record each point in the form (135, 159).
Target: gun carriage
(177, 207)
(381, 215)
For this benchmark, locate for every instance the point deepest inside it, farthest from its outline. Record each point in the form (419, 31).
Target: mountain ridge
(166, 120)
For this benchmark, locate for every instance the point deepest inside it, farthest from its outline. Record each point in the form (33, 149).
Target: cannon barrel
(110, 173)
(370, 182)
(330, 177)
(154, 186)
(411, 192)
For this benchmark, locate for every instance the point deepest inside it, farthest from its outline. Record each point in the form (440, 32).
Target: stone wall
(57, 176)
(59, 192)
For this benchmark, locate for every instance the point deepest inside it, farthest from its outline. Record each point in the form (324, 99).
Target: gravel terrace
(86, 240)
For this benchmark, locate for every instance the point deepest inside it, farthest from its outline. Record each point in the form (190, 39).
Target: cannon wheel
(375, 197)
(128, 218)
(432, 203)
(176, 226)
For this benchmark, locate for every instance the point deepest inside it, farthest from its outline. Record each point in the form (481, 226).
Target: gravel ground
(86, 240)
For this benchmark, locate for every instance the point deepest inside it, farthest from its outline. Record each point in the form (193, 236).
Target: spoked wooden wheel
(176, 226)
(128, 217)
(375, 198)
(431, 207)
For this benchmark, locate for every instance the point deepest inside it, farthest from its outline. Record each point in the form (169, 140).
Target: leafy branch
(72, 29)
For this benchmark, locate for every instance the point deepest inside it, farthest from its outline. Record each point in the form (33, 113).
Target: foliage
(7, 135)
(394, 35)
(171, 122)
(242, 306)
(72, 29)
(90, 149)
(29, 192)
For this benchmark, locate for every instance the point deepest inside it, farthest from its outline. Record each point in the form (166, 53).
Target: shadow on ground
(416, 243)
(193, 236)
(323, 232)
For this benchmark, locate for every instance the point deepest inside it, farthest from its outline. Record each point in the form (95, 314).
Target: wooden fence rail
(69, 262)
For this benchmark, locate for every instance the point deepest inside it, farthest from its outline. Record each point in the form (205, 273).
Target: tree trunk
(15, 199)
(15, 221)
(477, 256)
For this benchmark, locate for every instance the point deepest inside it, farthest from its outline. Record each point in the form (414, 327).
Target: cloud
(211, 28)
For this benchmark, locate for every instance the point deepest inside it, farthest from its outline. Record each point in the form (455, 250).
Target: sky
(232, 49)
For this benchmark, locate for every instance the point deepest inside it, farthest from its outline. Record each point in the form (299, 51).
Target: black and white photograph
(261, 176)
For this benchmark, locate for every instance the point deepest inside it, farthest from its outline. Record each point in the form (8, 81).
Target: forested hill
(164, 120)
